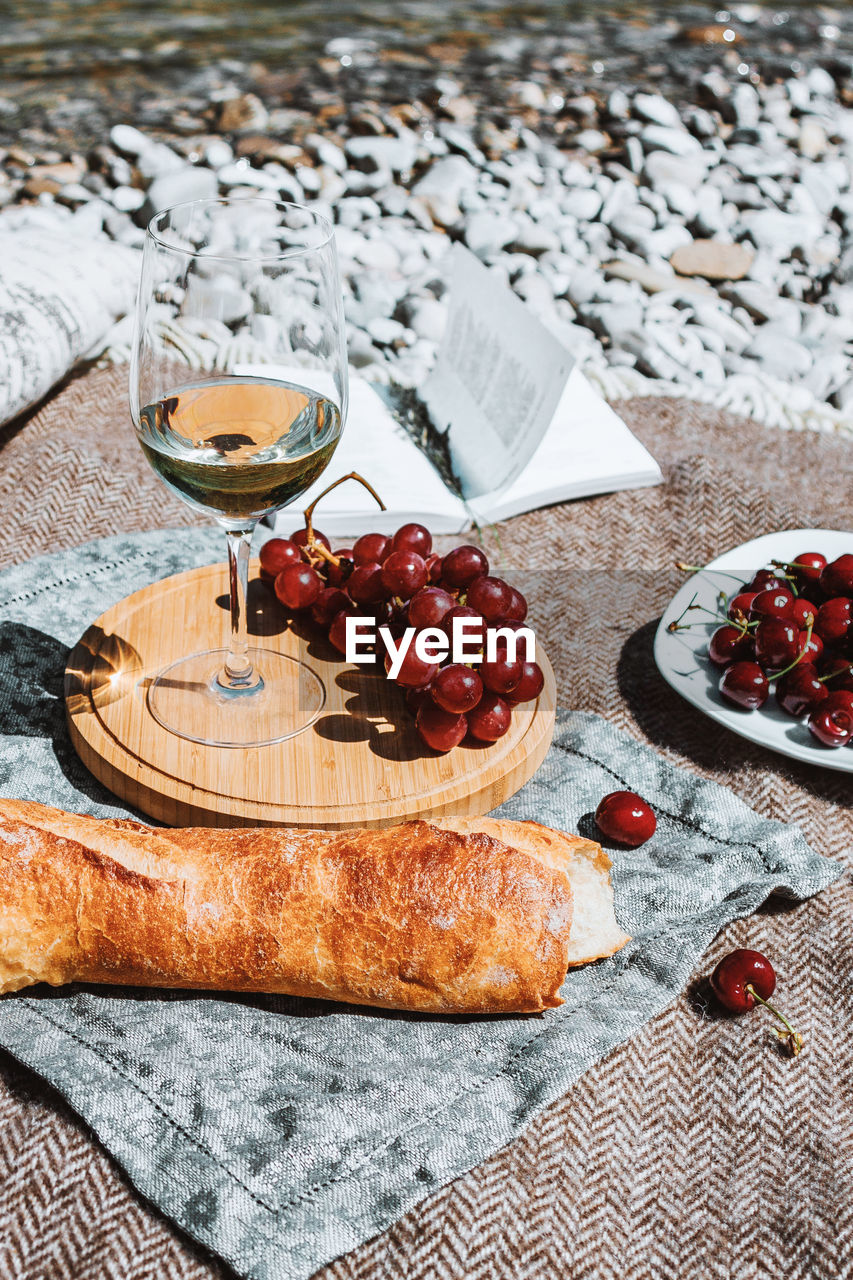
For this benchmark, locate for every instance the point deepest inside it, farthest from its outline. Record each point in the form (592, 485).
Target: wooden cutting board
(360, 764)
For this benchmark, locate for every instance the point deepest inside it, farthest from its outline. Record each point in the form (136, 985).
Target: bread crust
(452, 916)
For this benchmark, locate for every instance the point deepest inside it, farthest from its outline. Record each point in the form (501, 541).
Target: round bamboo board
(360, 764)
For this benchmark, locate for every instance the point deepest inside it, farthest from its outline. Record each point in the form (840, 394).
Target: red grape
(517, 610)
(413, 537)
(276, 554)
(413, 670)
(328, 604)
(457, 688)
(433, 567)
(298, 586)
(300, 537)
(337, 574)
(475, 637)
(490, 597)
(530, 685)
(490, 719)
(371, 548)
(366, 584)
(462, 565)
(501, 675)
(404, 573)
(440, 729)
(428, 607)
(337, 629)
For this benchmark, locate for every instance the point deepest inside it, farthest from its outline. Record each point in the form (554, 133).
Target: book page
(374, 444)
(497, 380)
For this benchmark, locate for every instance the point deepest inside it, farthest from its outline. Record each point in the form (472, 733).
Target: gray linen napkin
(282, 1132)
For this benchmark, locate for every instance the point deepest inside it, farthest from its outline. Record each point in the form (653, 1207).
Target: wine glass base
(187, 699)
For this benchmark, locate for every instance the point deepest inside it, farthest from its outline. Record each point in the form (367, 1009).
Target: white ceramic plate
(682, 656)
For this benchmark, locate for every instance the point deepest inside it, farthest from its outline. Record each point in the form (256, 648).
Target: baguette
(463, 915)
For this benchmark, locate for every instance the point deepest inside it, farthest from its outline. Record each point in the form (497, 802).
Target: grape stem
(317, 547)
(792, 1039)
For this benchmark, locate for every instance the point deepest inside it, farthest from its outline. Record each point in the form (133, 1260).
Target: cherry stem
(792, 1038)
(799, 657)
(317, 547)
(843, 671)
(689, 568)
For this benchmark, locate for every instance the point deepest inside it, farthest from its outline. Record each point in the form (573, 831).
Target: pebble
(187, 183)
(712, 260)
(703, 234)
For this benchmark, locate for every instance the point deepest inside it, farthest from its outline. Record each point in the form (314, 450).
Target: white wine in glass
(257, 280)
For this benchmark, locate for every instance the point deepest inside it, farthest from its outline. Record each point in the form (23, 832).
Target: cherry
(462, 565)
(625, 817)
(811, 646)
(429, 606)
(803, 612)
(777, 643)
(457, 688)
(776, 602)
(490, 719)
(413, 537)
(277, 553)
(727, 644)
(300, 537)
(833, 620)
(366, 584)
(800, 690)
(745, 978)
(807, 568)
(440, 729)
(298, 586)
(413, 670)
(740, 977)
(328, 605)
(745, 685)
(404, 572)
(832, 727)
(530, 685)
(836, 578)
(766, 579)
(490, 597)
(839, 700)
(371, 548)
(741, 603)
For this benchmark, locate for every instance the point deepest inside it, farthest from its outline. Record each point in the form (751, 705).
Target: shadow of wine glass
(264, 615)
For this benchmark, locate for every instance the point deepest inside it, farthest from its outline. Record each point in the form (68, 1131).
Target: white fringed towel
(59, 294)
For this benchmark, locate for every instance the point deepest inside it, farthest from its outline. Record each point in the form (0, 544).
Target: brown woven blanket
(695, 1150)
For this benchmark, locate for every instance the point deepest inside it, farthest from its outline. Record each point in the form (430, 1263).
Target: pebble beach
(669, 188)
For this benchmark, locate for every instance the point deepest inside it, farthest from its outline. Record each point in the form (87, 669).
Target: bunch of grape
(401, 582)
(791, 627)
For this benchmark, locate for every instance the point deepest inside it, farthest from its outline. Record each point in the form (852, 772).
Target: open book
(523, 427)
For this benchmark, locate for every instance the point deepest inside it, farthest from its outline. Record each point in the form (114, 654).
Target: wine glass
(238, 392)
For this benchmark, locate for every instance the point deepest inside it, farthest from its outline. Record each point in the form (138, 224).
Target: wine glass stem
(238, 675)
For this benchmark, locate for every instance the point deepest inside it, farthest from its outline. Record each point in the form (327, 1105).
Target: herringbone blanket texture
(695, 1150)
